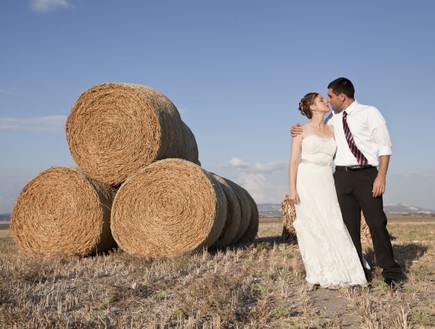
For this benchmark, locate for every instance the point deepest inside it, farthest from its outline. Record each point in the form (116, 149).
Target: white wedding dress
(327, 250)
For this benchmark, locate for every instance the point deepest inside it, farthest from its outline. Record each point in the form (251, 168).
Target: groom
(361, 163)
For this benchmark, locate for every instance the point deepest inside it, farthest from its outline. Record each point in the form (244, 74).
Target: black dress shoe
(394, 284)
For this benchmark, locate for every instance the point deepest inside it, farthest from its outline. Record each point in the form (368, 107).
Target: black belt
(352, 168)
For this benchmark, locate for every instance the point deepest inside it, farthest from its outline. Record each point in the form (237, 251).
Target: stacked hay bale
(131, 137)
(289, 216)
(114, 129)
(174, 206)
(167, 208)
(63, 212)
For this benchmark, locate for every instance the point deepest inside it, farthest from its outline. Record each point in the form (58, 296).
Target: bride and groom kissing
(328, 205)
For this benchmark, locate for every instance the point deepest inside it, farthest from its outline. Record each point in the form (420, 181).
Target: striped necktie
(362, 160)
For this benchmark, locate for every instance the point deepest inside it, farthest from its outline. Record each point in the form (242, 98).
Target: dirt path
(333, 305)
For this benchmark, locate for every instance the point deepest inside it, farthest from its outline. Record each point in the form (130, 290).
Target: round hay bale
(288, 217)
(190, 148)
(254, 222)
(61, 212)
(234, 214)
(245, 207)
(114, 129)
(168, 208)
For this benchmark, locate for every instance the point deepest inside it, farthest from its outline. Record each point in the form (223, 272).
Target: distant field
(391, 219)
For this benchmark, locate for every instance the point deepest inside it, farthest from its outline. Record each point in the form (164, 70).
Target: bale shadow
(266, 242)
(268, 239)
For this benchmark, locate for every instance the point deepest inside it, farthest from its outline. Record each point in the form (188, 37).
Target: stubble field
(255, 285)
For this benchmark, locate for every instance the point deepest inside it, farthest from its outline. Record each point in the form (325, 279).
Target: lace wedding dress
(328, 253)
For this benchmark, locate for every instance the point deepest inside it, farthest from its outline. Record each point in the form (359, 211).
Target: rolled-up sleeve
(383, 140)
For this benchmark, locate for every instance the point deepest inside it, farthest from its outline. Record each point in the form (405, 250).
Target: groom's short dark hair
(342, 86)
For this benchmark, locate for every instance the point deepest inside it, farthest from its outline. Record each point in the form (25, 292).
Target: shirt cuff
(385, 150)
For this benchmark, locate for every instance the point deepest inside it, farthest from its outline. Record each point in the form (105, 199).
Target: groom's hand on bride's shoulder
(296, 130)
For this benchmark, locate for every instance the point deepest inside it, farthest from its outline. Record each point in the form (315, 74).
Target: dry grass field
(255, 285)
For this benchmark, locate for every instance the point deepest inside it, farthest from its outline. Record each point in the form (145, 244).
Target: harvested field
(254, 285)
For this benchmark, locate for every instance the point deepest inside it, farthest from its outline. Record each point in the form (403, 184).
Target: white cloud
(43, 6)
(269, 166)
(236, 163)
(4, 91)
(54, 123)
(256, 167)
(260, 188)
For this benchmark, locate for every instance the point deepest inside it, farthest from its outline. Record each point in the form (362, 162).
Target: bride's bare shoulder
(307, 129)
(330, 129)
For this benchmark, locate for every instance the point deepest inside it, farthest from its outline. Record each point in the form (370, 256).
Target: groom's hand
(378, 186)
(296, 130)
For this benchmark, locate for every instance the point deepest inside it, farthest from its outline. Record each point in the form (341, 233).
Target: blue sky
(235, 69)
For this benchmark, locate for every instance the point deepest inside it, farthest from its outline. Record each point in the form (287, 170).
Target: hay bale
(365, 231)
(234, 214)
(168, 208)
(61, 212)
(114, 129)
(190, 147)
(246, 211)
(254, 221)
(289, 216)
(288, 212)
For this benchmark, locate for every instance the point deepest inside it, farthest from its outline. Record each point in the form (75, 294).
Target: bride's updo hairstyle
(305, 103)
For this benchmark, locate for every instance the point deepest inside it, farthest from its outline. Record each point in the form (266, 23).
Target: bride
(330, 258)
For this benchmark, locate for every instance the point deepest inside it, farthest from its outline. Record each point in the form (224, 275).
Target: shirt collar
(352, 107)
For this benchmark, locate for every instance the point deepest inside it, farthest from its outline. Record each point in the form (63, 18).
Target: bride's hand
(293, 197)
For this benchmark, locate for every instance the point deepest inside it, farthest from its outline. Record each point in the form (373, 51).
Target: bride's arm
(293, 167)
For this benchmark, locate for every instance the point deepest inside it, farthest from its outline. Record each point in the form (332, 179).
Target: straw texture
(254, 221)
(234, 214)
(365, 231)
(288, 217)
(245, 207)
(168, 208)
(190, 147)
(114, 129)
(61, 212)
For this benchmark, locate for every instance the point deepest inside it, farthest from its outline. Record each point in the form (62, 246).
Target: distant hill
(5, 217)
(407, 209)
(274, 210)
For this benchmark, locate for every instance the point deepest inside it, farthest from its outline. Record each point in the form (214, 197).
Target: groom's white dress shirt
(369, 130)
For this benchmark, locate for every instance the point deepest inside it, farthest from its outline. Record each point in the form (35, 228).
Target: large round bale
(234, 214)
(168, 208)
(245, 207)
(114, 129)
(190, 146)
(62, 212)
(254, 222)
(289, 216)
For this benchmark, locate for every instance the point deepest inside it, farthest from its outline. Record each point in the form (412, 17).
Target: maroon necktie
(349, 138)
